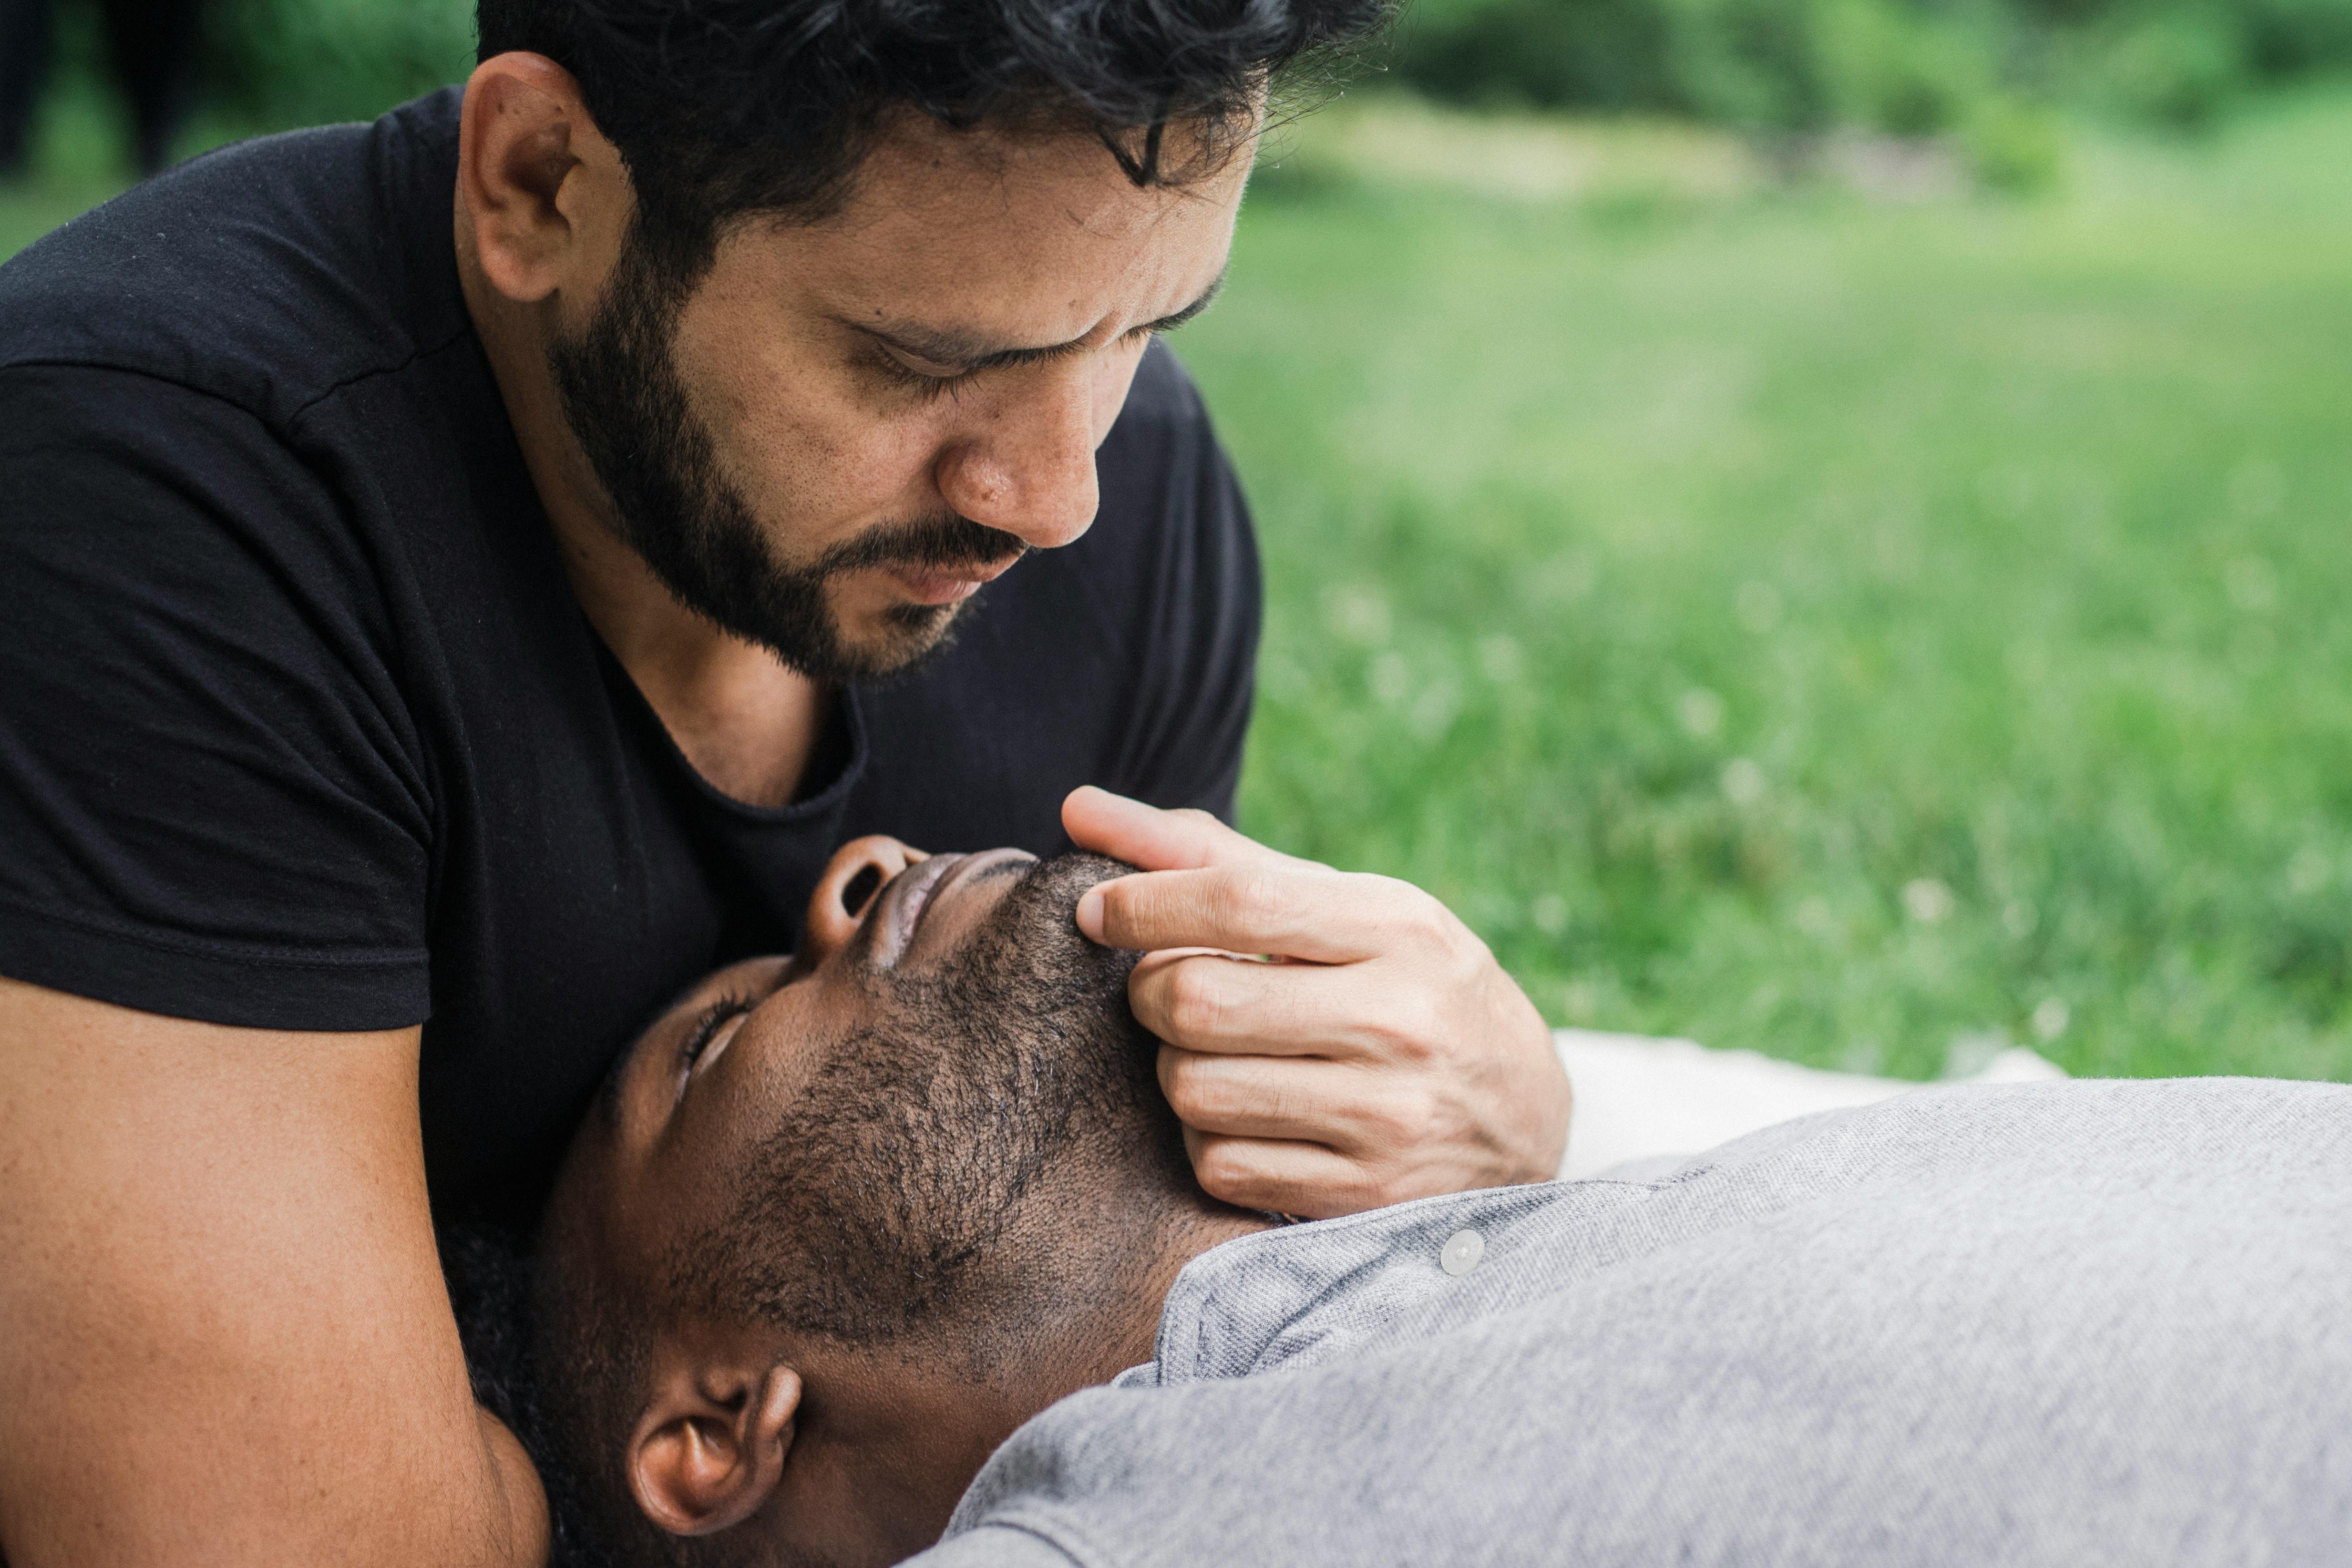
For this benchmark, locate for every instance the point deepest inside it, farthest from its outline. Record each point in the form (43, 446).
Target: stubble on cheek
(795, 425)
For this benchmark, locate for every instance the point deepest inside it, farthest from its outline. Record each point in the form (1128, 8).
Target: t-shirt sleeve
(1194, 691)
(213, 802)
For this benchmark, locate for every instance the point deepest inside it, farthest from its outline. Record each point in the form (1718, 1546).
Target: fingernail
(1090, 914)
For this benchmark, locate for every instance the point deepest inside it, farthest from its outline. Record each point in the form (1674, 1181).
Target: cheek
(785, 1044)
(794, 428)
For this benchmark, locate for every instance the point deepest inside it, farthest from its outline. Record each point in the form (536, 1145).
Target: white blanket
(1639, 1098)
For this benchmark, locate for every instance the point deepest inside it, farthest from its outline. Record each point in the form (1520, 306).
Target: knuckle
(1255, 898)
(1224, 1171)
(1397, 1123)
(1473, 962)
(1412, 913)
(1199, 1093)
(1178, 1077)
(1412, 1031)
(1147, 997)
(1432, 923)
(1197, 1009)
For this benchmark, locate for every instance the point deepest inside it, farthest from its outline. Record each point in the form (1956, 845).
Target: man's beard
(910, 1174)
(627, 407)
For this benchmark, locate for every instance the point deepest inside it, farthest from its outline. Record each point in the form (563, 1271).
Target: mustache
(931, 544)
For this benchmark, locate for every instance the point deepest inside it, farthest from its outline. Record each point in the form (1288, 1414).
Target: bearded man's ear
(710, 1448)
(543, 196)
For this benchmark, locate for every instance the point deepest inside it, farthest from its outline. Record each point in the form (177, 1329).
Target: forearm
(487, 1511)
(519, 1510)
(224, 1332)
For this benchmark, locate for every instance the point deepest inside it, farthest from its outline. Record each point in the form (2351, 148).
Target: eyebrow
(970, 352)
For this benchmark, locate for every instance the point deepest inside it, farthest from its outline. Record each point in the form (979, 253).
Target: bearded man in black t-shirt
(466, 573)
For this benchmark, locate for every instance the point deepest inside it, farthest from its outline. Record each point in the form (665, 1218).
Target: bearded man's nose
(1031, 475)
(846, 891)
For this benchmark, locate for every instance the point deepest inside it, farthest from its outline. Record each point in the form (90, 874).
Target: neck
(1136, 1338)
(748, 723)
(1101, 1316)
(920, 1422)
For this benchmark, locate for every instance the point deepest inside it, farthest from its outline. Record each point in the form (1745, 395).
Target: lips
(901, 908)
(915, 892)
(950, 587)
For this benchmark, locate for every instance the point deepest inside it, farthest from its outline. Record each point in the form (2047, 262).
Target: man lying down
(899, 1237)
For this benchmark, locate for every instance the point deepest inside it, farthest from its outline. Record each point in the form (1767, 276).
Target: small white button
(1461, 1252)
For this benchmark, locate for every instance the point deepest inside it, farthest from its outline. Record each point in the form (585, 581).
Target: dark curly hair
(723, 106)
(513, 1318)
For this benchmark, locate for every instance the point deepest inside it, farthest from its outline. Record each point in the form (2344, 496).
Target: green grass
(1862, 633)
(1858, 631)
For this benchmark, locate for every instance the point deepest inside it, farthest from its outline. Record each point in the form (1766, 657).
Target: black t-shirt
(302, 727)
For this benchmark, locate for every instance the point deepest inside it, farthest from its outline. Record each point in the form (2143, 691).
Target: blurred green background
(1818, 525)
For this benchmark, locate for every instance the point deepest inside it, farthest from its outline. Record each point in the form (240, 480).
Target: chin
(896, 639)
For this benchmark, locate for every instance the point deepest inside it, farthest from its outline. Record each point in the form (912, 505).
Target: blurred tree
(1903, 67)
(1972, 69)
(291, 62)
(2178, 67)
(151, 46)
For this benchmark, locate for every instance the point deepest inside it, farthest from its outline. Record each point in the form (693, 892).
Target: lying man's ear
(710, 1447)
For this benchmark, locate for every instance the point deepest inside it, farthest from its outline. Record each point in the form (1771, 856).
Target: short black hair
(491, 1271)
(725, 107)
(554, 1356)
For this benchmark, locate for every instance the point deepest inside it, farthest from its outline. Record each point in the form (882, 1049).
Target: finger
(1298, 912)
(1214, 1003)
(1365, 1115)
(1303, 1179)
(1145, 835)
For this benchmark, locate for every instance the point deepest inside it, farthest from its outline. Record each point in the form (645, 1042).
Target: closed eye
(957, 360)
(926, 384)
(706, 1029)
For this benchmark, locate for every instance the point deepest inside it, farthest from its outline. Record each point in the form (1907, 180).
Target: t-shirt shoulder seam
(218, 394)
(144, 372)
(253, 955)
(416, 353)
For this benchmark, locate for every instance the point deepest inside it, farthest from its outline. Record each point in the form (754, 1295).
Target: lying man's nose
(857, 871)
